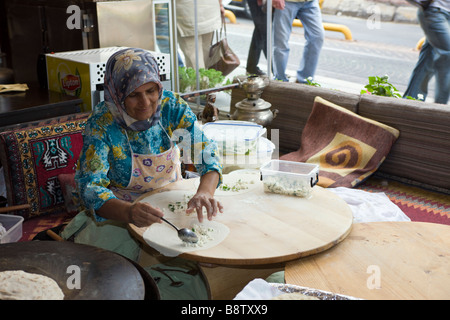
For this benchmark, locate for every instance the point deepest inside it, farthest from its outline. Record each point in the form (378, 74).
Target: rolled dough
(21, 285)
(164, 238)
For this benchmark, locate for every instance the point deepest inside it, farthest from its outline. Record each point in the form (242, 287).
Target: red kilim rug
(417, 203)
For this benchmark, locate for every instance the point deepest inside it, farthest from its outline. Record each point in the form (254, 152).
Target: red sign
(71, 82)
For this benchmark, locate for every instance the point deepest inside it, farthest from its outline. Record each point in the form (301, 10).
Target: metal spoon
(184, 234)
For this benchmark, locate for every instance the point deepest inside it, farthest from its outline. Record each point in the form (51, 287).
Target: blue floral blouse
(105, 159)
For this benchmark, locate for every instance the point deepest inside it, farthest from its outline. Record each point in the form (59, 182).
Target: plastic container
(254, 160)
(234, 137)
(13, 226)
(289, 177)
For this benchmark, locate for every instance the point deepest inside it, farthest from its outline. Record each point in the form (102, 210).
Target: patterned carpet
(418, 204)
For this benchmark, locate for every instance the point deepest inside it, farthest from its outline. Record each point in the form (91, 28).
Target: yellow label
(71, 78)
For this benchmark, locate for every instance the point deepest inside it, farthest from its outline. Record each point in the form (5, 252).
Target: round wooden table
(266, 231)
(381, 260)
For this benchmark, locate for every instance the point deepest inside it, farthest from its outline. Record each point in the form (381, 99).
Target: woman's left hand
(204, 199)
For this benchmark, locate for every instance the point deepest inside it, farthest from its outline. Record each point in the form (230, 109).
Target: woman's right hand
(142, 214)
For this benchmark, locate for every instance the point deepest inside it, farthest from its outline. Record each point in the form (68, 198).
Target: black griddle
(102, 274)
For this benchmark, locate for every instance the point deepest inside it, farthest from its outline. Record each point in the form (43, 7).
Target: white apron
(150, 172)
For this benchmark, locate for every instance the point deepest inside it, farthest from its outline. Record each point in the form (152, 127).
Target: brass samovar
(254, 108)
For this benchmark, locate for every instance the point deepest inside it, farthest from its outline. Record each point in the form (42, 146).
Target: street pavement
(378, 48)
(386, 10)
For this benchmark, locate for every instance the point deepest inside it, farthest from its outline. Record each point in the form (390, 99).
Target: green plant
(419, 97)
(209, 78)
(187, 78)
(381, 87)
(311, 82)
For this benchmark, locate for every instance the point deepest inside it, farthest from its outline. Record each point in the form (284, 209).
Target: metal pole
(208, 91)
(269, 39)
(174, 46)
(196, 49)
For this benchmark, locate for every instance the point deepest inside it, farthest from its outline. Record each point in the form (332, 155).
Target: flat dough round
(21, 285)
(164, 200)
(164, 238)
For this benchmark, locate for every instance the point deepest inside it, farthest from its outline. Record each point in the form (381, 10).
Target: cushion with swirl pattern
(347, 147)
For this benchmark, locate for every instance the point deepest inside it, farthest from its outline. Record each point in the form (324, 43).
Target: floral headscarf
(127, 70)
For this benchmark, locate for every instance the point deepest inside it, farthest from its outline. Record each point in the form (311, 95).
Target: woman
(128, 151)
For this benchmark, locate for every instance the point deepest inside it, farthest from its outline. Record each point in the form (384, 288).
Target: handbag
(221, 57)
(420, 3)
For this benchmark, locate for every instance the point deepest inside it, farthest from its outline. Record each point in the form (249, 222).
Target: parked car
(238, 6)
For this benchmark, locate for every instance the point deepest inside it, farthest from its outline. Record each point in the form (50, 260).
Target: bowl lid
(233, 130)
